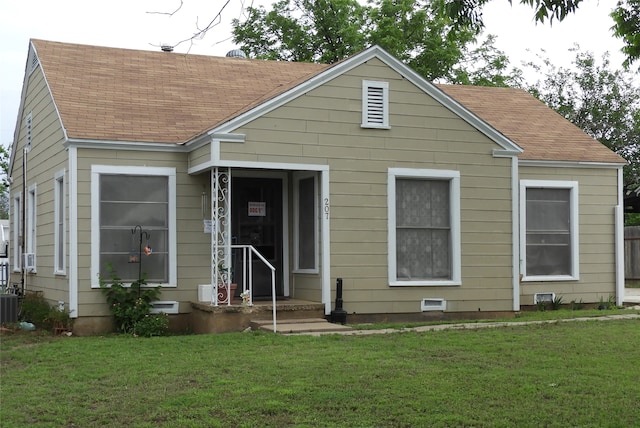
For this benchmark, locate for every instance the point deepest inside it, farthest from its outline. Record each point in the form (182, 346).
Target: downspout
(23, 280)
(619, 241)
(73, 231)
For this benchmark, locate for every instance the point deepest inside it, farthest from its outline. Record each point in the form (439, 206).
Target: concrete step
(296, 326)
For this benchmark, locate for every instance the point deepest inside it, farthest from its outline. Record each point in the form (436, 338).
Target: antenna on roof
(236, 53)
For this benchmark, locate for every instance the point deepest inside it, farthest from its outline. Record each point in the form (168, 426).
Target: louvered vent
(33, 61)
(375, 104)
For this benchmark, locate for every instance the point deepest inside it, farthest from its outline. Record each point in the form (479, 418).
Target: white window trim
(574, 218)
(96, 171)
(17, 230)
(297, 177)
(366, 85)
(454, 206)
(60, 239)
(32, 223)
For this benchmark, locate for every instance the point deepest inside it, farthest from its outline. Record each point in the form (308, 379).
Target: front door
(256, 219)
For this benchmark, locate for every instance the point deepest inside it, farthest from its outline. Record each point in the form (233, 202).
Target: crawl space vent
(433, 305)
(543, 297)
(168, 307)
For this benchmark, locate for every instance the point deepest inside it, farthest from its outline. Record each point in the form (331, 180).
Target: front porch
(206, 318)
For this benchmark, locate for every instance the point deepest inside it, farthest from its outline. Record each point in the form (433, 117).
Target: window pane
(423, 238)
(548, 235)
(306, 224)
(127, 201)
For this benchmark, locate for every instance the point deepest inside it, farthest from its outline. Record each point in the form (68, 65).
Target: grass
(560, 374)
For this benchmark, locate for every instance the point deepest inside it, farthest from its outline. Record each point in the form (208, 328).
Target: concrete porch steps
(298, 326)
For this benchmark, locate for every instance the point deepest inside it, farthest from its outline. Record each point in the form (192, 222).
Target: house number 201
(326, 208)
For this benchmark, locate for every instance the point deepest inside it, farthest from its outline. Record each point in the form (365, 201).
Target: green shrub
(129, 305)
(556, 303)
(35, 309)
(152, 325)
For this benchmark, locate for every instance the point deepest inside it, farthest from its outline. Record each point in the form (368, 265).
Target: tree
(627, 27)
(604, 103)
(303, 30)
(626, 17)
(331, 30)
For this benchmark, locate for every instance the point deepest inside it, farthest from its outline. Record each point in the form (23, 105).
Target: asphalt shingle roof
(542, 133)
(130, 95)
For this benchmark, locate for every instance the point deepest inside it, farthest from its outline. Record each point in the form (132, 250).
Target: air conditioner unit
(30, 261)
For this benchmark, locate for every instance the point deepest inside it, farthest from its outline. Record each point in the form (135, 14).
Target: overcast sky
(132, 24)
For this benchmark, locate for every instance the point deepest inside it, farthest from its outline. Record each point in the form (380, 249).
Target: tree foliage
(605, 103)
(412, 30)
(626, 17)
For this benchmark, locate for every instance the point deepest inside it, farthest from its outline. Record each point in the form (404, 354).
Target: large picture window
(424, 227)
(123, 199)
(549, 238)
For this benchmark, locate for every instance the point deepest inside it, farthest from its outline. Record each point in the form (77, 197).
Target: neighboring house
(420, 197)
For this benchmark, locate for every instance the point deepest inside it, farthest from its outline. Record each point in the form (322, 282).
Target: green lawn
(561, 374)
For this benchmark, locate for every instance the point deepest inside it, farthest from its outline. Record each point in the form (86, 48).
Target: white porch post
(326, 244)
(221, 232)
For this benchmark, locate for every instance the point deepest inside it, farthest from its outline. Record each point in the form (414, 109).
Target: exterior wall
(597, 190)
(199, 156)
(323, 127)
(46, 157)
(193, 245)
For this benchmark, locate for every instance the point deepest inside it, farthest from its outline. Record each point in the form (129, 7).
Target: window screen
(423, 229)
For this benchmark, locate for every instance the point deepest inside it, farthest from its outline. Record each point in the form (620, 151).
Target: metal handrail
(247, 269)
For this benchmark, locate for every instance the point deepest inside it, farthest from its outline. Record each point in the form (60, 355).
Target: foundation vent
(168, 307)
(430, 304)
(543, 298)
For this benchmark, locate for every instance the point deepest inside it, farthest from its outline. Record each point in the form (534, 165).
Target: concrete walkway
(632, 295)
(467, 326)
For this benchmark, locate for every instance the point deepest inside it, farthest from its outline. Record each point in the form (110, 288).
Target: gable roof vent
(236, 53)
(375, 104)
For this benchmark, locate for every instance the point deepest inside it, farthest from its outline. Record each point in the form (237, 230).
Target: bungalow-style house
(423, 199)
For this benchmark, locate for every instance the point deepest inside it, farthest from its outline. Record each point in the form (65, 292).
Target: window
(306, 224)
(126, 197)
(549, 240)
(31, 224)
(59, 223)
(17, 231)
(375, 104)
(424, 227)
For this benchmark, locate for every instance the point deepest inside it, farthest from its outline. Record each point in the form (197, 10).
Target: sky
(146, 25)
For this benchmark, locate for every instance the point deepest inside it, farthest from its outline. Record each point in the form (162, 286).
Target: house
(424, 200)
